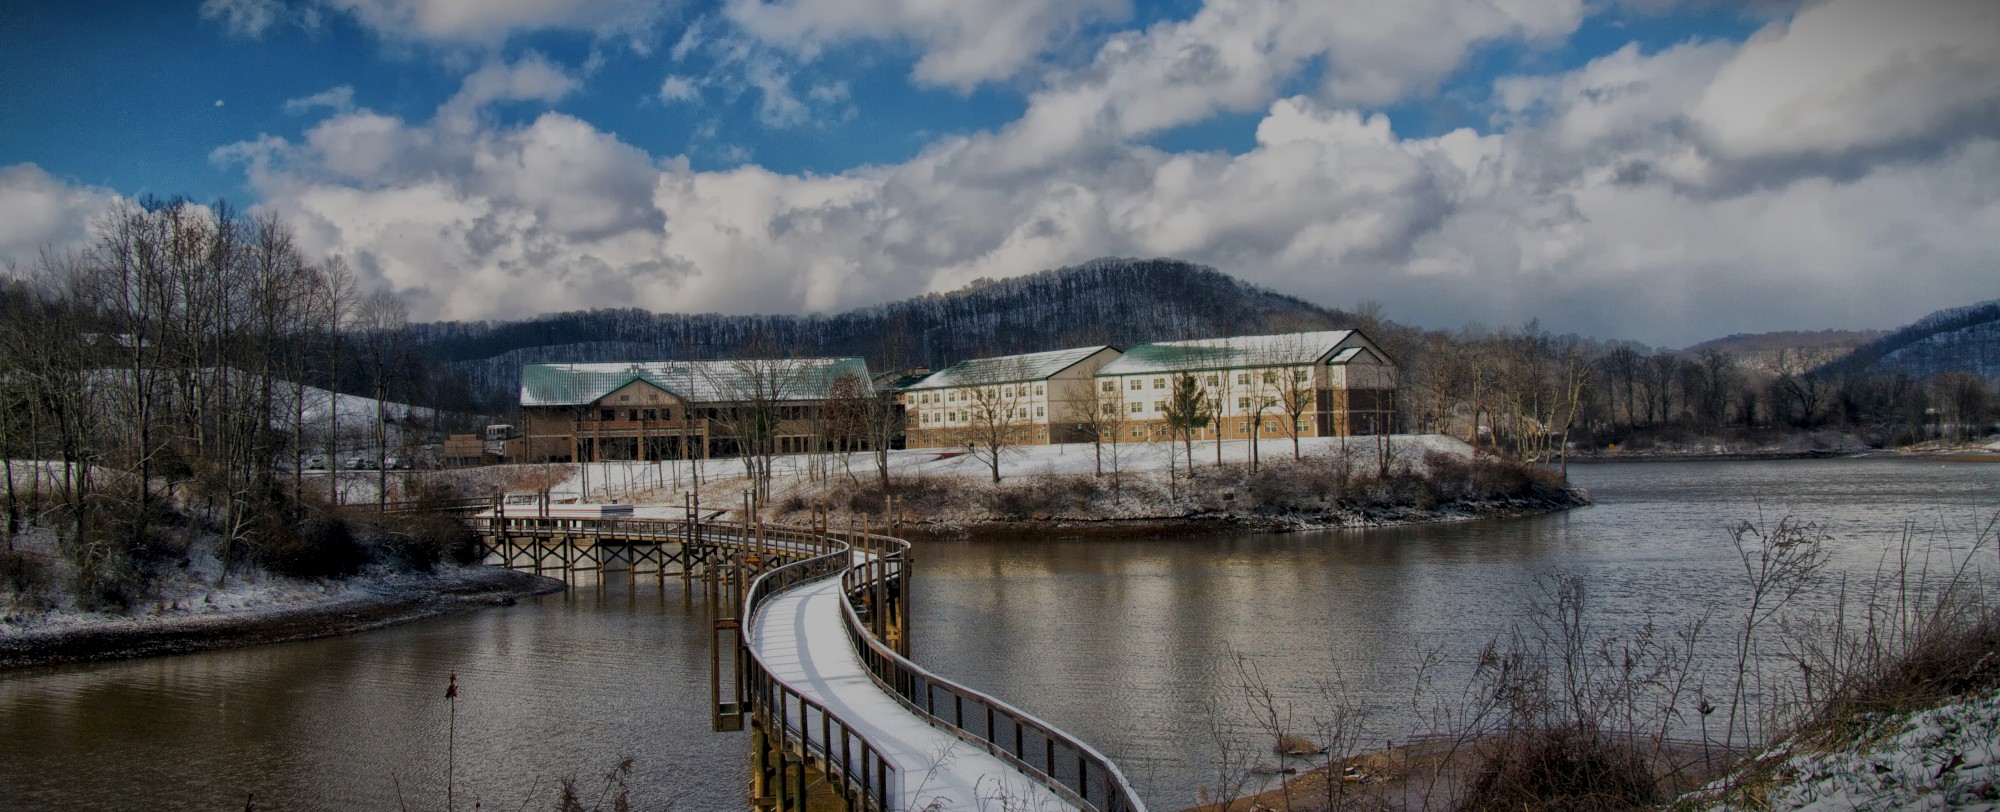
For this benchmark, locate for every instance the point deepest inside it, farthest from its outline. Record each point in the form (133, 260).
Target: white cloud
(1607, 203)
(530, 78)
(244, 18)
(489, 22)
(676, 89)
(1851, 76)
(1234, 56)
(338, 99)
(39, 212)
(962, 44)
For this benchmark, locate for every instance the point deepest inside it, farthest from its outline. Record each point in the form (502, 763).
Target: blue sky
(1459, 160)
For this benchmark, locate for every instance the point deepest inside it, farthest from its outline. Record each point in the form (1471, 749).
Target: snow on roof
(1034, 366)
(693, 381)
(1288, 349)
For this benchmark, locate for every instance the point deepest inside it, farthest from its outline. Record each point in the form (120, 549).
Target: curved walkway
(801, 637)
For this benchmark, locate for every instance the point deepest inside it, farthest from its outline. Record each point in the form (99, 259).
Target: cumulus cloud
(1604, 199)
(39, 212)
(962, 44)
(676, 89)
(338, 99)
(1235, 56)
(452, 23)
(485, 22)
(1848, 77)
(244, 18)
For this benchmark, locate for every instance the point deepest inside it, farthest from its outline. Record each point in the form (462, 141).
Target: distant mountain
(1770, 351)
(1964, 339)
(1106, 301)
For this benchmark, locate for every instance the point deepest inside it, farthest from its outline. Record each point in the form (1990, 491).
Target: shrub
(1565, 769)
(322, 545)
(26, 579)
(421, 541)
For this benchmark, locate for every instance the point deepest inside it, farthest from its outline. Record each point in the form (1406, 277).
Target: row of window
(956, 395)
(710, 413)
(927, 418)
(1268, 376)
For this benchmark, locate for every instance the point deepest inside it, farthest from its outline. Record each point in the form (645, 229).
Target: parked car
(316, 463)
(361, 464)
(395, 463)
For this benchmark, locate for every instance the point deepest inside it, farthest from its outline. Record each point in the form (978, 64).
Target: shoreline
(376, 606)
(1162, 527)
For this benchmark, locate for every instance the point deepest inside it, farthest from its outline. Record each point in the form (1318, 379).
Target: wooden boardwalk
(811, 651)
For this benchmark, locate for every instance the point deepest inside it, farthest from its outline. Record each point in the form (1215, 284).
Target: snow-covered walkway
(803, 642)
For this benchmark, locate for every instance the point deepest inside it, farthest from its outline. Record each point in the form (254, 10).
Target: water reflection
(1133, 645)
(565, 684)
(1129, 644)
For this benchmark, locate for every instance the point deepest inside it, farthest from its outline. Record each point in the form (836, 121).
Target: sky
(1664, 171)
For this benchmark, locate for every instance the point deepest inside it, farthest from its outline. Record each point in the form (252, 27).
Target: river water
(1132, 645)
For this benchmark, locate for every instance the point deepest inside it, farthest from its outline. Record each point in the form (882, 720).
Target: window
(1138, 431)
(1042, 434)
(1137, 406)
(1109, 386)
(624, 398)
(1159, 383)
(1243, 403)
(1270, 377)
(1214, 380)
(652, 414)
(1159, 405)
(1138, 384)
(1299, 375)
(1038, 389)
(1008, 392)
(1243, 378)
(1242, 425)
(952, 416)
(1110, 408)
(607, 415)
(1041, 412)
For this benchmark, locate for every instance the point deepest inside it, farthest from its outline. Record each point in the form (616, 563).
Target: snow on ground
(1993, 446)
(181, 592)
(664, 482)
(1145, 487)
(1943, 758)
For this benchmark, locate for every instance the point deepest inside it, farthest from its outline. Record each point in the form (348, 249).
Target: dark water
(1131, 645)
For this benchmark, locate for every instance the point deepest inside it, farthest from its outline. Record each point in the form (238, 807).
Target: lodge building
(1334, 383)
(661, 410)
(1027, 397)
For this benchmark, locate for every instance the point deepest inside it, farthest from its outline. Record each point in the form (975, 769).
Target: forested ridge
(1962, 339)
(1107, 301)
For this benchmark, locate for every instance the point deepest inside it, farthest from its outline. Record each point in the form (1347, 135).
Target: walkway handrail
(1069, 767)
(863, 770)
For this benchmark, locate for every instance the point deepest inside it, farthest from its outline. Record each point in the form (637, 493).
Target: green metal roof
(691, 381)
(1034, 366)
(1288, 349)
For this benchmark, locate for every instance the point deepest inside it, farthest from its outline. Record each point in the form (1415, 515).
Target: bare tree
(380, 319)
(1094, 411)
(996, 412)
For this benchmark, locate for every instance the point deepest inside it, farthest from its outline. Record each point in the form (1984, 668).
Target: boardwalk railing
(856, 762)
(874, 572)
(1070, 768)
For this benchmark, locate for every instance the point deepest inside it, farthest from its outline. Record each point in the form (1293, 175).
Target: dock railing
(1073, 770)
(847, 756)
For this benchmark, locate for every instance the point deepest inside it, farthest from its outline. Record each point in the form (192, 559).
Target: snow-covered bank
(1335, 483)
(1947, 757)
(271, 611)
